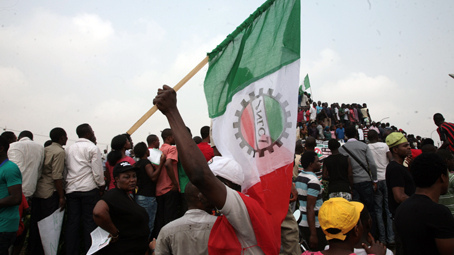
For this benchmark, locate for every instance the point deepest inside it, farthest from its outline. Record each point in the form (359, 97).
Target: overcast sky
(64, 63)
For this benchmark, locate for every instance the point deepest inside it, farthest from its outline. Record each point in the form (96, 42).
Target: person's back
(29, 157)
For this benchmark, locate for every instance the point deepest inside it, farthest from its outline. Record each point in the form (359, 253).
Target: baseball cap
(122, 167)
(339, 213)
(227, 168)
(395, 138)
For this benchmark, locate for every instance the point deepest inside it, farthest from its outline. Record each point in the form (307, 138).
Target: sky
(64, 63)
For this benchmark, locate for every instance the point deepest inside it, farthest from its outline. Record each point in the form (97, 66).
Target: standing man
(445, 131)
(49, 194)
(29, 157)
(382, 157)
(425, 226)
(364, 171)
(313, 112)
(167, 187)
(10, 198)
(85, 184)
(205, 146)
(310, 198)
(398, 179)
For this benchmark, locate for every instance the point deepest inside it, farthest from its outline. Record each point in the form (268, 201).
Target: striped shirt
(307, 184)
(448, 198)
(446, 133)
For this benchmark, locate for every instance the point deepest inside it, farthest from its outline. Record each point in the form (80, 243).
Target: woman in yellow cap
(340, 221)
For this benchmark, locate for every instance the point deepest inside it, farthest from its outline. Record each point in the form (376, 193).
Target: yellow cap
(338, 213)
(395, 138)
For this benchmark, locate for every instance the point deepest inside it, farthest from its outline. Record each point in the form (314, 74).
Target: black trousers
(40, 209)
(168, 205)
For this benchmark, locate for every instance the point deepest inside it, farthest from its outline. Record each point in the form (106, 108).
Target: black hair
(205, 132)
(372, 135)
(128, 136)
(56, 133)
(427, 168)
(351, 132)
(10, 136)
(307, 158)
(438, 117)
(166, 133)
(428, 148)
(151, 139)
(333, 144)
(47, 143)
(299, 147)
(83, 130)
(118, 142)
(26, 133)
(4, 144)
(310, 142)
(197, 139)
(427, 141)
(140, 149)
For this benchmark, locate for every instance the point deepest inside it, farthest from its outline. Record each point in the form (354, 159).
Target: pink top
(110, 169)
(164, 183)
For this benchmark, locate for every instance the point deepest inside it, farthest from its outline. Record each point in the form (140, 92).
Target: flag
(251, 87)
(307, 83)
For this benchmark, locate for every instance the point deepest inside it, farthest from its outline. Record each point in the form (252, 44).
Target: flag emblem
(255, 130)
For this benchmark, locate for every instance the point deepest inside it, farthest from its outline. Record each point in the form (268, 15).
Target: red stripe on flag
(273, 191)
(247, 126)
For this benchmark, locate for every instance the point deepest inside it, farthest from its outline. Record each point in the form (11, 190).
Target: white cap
(227, 168)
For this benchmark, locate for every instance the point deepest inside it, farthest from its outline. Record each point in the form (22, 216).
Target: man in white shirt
(313, 111)
(29, 157)
(382, 156)
(84, 183)
(190, 232)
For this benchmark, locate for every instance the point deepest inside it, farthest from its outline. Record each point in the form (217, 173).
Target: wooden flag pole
(176, 88)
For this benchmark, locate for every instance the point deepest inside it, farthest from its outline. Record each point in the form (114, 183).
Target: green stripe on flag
(268, 40)
(274, 116)
(307, 83)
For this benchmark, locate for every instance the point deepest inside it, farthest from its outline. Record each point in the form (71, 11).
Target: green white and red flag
(251, 89)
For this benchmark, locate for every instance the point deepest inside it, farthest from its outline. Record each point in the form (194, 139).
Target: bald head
(195, 199)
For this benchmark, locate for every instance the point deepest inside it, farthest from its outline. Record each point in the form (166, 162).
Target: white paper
(99, 239)
(155, 156)
(49, 230)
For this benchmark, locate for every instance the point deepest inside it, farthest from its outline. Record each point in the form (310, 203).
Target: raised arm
(192, 159)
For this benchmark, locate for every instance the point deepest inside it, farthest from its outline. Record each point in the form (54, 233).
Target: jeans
(364, 192)
(381, 203)
(79, 205)
(6, 240)
(151, 206)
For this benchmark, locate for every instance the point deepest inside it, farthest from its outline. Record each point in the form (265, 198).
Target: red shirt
(164, 183)
(206, 149)
(110, 169)
(22, 207)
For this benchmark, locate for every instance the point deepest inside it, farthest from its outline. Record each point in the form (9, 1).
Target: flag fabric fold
(307, 83)
(251, 88)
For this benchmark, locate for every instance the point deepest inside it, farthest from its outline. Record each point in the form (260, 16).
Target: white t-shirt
(313, 112)
(379, 151)
(236, 212)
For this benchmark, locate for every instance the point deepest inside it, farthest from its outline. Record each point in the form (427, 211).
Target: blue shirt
(340, 133)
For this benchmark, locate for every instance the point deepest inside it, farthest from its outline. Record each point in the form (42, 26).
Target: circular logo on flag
(262, 122)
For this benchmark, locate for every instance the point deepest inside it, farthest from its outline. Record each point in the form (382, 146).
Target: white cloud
(93, 26)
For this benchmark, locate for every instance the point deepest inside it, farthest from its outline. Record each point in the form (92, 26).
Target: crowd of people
(379, 186)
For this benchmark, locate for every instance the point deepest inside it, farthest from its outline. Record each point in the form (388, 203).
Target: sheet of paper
(49, 230)
(99, 239)
(155, 156)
